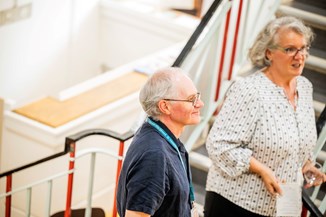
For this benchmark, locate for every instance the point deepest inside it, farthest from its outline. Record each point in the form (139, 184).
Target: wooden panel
(54, 113)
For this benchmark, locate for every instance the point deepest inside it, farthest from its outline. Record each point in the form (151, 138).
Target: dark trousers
(218, 206)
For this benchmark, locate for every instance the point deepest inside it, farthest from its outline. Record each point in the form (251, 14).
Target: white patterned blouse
(257, 120)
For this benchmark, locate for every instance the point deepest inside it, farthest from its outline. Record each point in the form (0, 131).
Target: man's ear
(164, 106)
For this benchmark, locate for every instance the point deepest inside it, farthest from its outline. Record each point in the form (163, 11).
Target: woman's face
(289, 56)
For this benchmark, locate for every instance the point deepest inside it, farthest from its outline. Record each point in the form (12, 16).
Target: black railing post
(196, 34)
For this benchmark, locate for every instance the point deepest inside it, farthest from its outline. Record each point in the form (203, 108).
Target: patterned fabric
(257, 120)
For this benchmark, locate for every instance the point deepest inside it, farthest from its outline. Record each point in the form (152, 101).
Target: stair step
(321, 157)
(319, 106)
(318, 81)
(199, 161)
(313, 19)
(316, 63)
(315, 6)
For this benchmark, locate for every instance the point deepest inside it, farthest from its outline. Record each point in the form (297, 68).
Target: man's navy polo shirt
(152, 178)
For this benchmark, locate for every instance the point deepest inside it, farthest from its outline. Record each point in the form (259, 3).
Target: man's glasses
(292, 51)
(194, 99)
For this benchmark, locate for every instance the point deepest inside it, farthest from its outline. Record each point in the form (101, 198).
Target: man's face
(182, 112)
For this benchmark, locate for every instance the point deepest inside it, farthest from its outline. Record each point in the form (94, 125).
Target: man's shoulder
(148, 142)
(147, 136)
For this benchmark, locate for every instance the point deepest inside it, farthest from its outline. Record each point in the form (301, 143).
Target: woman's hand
(267, 175)
(320, 176)
(270, 181)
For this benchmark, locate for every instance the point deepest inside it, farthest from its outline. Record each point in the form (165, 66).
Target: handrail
(71, 141)
(35, 163)
(307, 200)
(75, 138)
(310, 206)
(70, 144)
(104, 132)
(191, 42)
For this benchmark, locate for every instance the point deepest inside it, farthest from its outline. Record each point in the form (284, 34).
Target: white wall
(65, 42)
(131, 30)
(53, 49)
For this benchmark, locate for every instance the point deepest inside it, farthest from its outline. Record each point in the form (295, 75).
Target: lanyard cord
(172, 143)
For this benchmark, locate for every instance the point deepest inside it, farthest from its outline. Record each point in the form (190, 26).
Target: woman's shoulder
(249, 83)
(304, 82)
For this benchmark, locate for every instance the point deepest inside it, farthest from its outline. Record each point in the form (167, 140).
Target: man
(155, 179)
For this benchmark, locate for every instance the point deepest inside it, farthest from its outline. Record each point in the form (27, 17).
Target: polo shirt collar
(177, 141)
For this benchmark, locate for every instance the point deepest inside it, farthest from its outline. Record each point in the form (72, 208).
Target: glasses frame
(303, 51)
(193, 101)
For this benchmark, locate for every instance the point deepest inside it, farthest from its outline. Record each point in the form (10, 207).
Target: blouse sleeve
(227, 142)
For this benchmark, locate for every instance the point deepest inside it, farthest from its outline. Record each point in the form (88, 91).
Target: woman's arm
(319, 173)
(267, 175)
(227, 142)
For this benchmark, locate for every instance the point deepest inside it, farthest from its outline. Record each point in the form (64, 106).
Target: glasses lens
(197, 97)
(304, 51)
(294, 51)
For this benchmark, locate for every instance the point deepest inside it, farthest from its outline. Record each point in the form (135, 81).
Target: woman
(264, 135)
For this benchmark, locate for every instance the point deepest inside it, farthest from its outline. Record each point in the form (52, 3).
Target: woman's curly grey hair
(267, 38)
(159, 86)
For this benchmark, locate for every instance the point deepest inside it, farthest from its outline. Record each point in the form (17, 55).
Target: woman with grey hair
(262, 139)
(155, 179)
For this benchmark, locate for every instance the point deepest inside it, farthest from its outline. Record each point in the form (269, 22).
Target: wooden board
(55, 113)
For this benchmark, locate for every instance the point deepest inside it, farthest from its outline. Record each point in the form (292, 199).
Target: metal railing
(70, 147)
(309, 199)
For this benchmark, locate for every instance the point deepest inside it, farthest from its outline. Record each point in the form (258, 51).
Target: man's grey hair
(161, 85)
(267, 38)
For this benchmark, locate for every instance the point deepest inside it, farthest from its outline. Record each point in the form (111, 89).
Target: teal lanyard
(172, 143)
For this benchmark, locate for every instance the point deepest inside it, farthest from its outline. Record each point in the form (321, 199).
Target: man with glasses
(155, 179)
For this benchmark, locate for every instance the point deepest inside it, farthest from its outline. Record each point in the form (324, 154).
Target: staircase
(313, 14)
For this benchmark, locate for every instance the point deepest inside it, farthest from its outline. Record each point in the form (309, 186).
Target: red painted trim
(220, 71)
(8, 198)
(235, 40)
(121, 148)
(304, 212)
(70, 179)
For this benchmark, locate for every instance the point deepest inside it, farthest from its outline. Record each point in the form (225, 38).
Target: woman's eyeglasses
(292, 51)
(194, 99)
